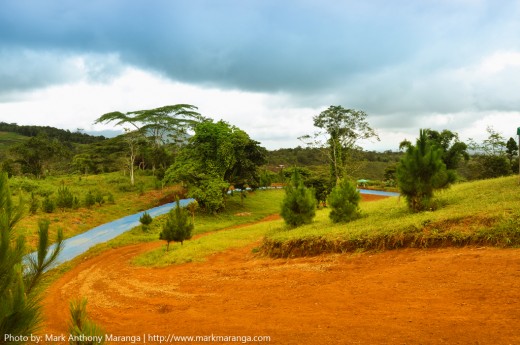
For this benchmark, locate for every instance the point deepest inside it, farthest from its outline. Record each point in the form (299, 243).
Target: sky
(266, 66)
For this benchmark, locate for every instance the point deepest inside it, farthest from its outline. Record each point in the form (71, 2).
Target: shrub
(98, 197)
(299, 204)
(110, 198)
(64, 199)
(48, 204)
(177, 227)
(344, 201)
(145, 220)
(34, 204)
(90, 200)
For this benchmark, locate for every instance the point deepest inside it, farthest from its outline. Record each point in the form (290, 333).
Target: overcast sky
(266, 66)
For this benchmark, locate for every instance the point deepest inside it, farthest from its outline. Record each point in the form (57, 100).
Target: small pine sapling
(344, 202)
(178, 226)
(145, 220)
(299, 204)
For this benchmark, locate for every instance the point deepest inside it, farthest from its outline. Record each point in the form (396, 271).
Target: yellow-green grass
(199, 249)
(127, 200)
(477, 213)
(255, 207)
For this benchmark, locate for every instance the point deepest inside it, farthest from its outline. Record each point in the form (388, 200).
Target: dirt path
(444, 296)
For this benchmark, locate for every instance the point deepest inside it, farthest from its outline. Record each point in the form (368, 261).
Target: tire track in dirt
(449, 295)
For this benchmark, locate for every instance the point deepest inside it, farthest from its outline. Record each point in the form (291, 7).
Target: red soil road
(441, 296)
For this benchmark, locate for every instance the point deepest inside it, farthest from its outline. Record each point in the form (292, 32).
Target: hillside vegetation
(474, 213)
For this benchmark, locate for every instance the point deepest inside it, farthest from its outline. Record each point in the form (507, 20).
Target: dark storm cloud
(383, 56)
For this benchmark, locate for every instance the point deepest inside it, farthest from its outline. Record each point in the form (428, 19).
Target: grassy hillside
(127, 200)
(477, 213)
(8, 140)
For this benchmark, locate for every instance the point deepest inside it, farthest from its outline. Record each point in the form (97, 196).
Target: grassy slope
(128, 200)
(480, 213)
(257, 206)
(8, 140)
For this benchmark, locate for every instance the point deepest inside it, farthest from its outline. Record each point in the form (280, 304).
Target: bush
(110, 198)
(48, 205)
(177, 227)
(90, 200)
(299, 204)
(98, 197)
(64, 199)
(145, 220)
(344, 201)
(34, 204)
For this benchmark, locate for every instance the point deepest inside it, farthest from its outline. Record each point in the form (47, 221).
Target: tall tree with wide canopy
(217, 155)
(340, 131)
(160, 125)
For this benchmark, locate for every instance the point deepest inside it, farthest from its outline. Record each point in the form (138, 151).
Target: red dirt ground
(441, 296)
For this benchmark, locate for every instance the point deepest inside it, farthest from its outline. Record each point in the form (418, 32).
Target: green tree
(19, 308)
(299, 204)
(344, 202)
(160, 125)
(178, 226)
(453, 150)
(145, 220)
(36, 154)
(420, 172)
(491, 156)
(511, 150)
(217, 155)
(340, 131)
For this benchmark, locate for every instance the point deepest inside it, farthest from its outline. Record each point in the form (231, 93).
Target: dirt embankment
(441, 296)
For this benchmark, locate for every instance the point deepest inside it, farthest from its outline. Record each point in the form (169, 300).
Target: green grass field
(477, 213)
(255, 207)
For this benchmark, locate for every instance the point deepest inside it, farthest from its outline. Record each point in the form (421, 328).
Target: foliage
(178, 226)
(217, 155)
(65, 199)
(299, 204)
(48, 204)
(468, 220)
(51, 132)
(89, 200)
(34, 204)
(19, 309)
(420, 172)
(145, 220)
(35, 154)
(511, 150)
(453, 150)
(167, 124)
(81, 327)
(344, 202)
(342, 129)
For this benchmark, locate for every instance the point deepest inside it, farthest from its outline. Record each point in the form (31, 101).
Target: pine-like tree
(146, 220)
(81, 327)
(178, 226)
(299, 204)
(420, 172)
(19, 308)
(344, 202)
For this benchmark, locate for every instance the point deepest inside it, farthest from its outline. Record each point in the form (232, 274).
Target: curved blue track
(79, 244)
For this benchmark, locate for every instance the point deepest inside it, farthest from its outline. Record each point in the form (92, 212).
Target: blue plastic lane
(378, 192)
(79, 244)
